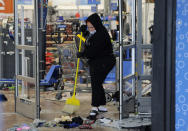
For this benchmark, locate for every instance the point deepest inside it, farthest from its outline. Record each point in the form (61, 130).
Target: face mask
(92, 32)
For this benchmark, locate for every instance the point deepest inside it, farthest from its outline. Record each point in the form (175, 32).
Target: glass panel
(147, 21)
(26, 58)
(26, 35)
(146, 88)
(147, 62)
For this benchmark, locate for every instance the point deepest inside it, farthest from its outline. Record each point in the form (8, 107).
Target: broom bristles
(73, 101)
(70, 108)
(72, 105)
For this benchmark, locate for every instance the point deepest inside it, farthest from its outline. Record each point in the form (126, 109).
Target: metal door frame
(33, 107)
(137, 46)
(1, 53)
(163, 91)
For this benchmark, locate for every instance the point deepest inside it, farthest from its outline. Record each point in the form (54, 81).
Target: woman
(99, 52)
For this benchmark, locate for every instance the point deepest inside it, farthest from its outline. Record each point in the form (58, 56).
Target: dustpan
(2, 98)
(72, 104)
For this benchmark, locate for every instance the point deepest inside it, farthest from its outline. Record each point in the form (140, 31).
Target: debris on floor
(108, 123)
(66, 118)
(23, 127)
(85, 126)
(68, 122)
(38, 123)
(63, 121)
(59, 95)
(127, 123)
(105, 120)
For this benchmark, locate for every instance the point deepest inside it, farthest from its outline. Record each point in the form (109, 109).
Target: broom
(72, 104)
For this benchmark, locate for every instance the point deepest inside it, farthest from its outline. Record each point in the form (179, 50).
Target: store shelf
(57, 35)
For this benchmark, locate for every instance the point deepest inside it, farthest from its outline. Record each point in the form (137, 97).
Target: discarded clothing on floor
(50, 124)
(85, 126)
(72, 125)
(66, 118)
(57, 120)
(89, 122)
(39, 123)
(105, 120)
(68, 124)
(63, 121)
(77, 120)
(63, 118)
(23, 127)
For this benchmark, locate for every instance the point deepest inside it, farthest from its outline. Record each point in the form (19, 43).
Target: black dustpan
(2, 98)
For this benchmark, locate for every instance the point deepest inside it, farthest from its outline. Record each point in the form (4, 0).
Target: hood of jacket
(95, 20)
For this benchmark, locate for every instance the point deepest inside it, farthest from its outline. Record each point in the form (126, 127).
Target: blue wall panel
(182, 66)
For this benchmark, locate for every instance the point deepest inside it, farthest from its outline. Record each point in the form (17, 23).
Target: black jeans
(99, 69)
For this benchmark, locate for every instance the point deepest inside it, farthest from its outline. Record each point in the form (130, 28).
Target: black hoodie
(100, 45)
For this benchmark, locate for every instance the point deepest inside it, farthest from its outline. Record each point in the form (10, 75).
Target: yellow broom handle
(78, 62)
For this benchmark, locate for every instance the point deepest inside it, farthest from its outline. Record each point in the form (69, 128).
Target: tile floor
(52, 108)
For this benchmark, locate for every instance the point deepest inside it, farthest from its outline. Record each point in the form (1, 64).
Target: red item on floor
(85, 126)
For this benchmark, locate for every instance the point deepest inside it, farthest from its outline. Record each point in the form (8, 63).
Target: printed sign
(63, 2)
(81, 2)
(93, 8)
(182, 66)
(95, 2)
(114, 6)
(25, 2)
(6, 6)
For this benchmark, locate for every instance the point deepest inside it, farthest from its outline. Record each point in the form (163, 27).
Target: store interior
(38, 65)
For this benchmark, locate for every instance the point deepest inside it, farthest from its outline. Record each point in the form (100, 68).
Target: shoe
(93, 113)
(102, 109)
